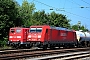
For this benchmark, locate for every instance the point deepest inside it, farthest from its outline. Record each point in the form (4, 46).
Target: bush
(3, 42)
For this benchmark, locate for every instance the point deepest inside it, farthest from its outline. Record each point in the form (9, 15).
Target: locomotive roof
(57, 28)
(18, 27)
(60, 28)
(38, 25)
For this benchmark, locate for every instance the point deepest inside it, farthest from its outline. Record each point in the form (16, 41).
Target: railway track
(64, 56)
(9, 51)
(43, 54)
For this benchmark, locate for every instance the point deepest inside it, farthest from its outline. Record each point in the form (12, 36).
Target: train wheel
(44, 47)
(16, 47)
(52, 47)
(84, 44)
(79, 44)
(89, 44)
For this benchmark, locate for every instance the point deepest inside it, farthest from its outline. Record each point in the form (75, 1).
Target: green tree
(25, 12)
(52, 19)
(57, 19)
(8, 16)
(40, 17)
(75, 27)
(78, 26)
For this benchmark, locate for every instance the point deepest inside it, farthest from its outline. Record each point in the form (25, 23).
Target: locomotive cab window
(18, 30)
(36, 30)
(12, 30)
(39, 30)
(32, 29)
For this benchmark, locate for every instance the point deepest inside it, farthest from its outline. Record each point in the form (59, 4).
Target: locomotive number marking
(63, 34)
(64, 38)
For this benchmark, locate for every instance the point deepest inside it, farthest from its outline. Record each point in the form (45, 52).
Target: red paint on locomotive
(37, 33)
(18, 35)
(46, 35)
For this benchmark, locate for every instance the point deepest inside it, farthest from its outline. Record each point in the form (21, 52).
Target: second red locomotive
(46, 36)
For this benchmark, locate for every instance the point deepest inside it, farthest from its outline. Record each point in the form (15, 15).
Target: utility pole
(79, 24)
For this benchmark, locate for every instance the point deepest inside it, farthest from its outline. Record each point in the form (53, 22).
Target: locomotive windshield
(36, 30)
(33, 30)
(18, 30)
(39, 30)
(12, 30)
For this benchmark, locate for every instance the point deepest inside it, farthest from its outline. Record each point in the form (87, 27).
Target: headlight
(29, 36)
(10, 37)
(18, 36)
(39, 36)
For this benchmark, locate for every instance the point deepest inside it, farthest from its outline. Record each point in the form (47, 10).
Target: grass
(6, 47)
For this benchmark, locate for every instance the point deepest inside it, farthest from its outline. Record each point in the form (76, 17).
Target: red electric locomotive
(18, 36)
(46, 36)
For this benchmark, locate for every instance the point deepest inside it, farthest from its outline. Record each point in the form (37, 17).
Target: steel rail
(64, 56)
(40, 53)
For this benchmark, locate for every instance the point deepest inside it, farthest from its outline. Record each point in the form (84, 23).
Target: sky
(75, 10)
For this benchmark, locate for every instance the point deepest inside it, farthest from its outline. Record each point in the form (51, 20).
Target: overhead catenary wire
(51, 7)
(78, 15)
(81, 6)
(60, 9)
(44, 4)
(85, 2)
(74, 2)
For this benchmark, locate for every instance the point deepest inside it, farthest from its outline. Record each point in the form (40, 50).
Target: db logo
(63, 34)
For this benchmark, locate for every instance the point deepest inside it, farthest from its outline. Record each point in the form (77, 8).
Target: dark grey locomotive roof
(60, 28)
